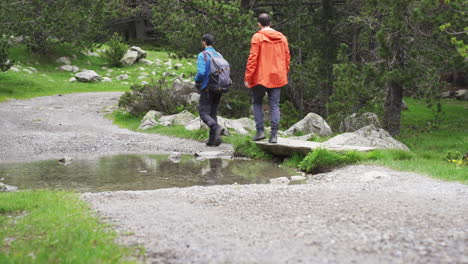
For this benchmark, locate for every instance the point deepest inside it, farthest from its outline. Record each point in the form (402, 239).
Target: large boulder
(88, 76)
(447, 94)
(369, 136)
(462, 94)
(130, 57)
(355, 122)
(141, 53)
(312, 123)
(182, 119)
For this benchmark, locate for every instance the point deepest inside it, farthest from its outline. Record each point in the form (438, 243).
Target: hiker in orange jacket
(266, 72)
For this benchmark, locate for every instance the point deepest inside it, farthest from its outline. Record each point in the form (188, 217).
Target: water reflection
(137, 172)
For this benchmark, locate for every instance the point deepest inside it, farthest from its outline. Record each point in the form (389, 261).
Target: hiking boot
(259, 136)
(273, 138)
(217, 136)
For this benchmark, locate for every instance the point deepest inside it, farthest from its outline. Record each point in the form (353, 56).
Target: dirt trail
(74, 125)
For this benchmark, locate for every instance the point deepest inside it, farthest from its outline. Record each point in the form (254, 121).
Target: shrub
(289, 115)
(116, 51)
(5, 63)
(235, 104)
(245, 147)
(323, 160)
(154, 96)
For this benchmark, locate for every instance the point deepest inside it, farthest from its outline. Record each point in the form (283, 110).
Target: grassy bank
(431, 142)
(53, 227)
(48, 80)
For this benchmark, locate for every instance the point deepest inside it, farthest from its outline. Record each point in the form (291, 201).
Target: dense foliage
(42, 23)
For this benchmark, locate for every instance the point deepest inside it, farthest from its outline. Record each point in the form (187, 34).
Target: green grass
(50, 81)
(430, 142)
(53, 227)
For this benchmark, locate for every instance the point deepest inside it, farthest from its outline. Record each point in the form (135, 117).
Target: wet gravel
(74, 125)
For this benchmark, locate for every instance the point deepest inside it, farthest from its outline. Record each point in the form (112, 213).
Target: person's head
(207, 40)
(264, 20)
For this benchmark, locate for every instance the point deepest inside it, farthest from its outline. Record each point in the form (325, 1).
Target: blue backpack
(220, 73)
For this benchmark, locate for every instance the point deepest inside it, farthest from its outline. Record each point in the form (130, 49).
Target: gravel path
(74, 125)
(357, 214)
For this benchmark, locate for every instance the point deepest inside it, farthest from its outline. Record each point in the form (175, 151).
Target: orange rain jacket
(269, 59)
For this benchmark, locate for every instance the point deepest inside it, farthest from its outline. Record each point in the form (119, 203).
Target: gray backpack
(219, 77)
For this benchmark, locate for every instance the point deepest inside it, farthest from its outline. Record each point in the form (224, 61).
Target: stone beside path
(288, 146)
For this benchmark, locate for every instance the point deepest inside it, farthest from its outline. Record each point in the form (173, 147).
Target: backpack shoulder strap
(211, 54)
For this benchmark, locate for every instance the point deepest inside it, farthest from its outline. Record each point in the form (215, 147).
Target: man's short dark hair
(264, 19)
(209, 39)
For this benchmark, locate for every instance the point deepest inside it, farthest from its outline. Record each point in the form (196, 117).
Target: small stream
(138, 172)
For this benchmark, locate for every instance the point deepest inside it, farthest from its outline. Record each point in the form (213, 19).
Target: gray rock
(404, 106)
(182, 119)
(122, 77)
(144, 83)
(88, 76)
(106, 79)
(142, 77)
(28, 71)
(7, 188)
(193, 98)
(196, 124)
(72, 80)
(69, 68)
(14, 69)
(175, 157)
(141, 53)
(280, 181)
(64, 60)
(149, 120)
(355, 122)
(210, 155)
(298, 179)
(65, 160)
(183, 88)
(152, 114)
(145, 61)
(312, 123)
(368, 136)
(147, 124)
(462, 94)
(447, 94)
(247, 123)
(130, 57)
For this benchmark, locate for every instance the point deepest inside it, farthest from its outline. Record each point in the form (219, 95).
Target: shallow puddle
(137, 172)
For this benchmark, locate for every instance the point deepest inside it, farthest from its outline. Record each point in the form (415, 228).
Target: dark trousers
(258, 92)
(208, 107)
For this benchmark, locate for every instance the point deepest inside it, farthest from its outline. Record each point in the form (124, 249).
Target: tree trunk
(392, 115)
(328, 55)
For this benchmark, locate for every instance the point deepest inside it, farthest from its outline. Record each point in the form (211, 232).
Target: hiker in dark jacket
(209, 101)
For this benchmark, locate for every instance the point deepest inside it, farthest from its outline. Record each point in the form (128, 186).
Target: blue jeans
(258, 92)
